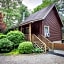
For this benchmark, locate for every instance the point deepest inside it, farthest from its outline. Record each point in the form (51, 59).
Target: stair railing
(39, 42)
(46, 41)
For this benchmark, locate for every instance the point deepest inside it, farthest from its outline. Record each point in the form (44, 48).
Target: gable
(57, 16)
(54, 16)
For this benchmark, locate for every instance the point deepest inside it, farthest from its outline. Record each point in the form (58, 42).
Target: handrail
(44, 38)
(39, 39)
(45, 46)
(42, 41)
(46, 41)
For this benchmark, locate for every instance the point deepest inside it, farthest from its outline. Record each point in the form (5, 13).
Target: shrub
(16, 37)
(5, 45)
(38, 50)
(2, 36)
(1, 33)
(25, 47)
(13, 52)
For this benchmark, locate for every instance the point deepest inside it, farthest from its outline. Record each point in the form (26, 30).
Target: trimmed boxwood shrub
(25, 47)
(16, 37)
(5, 45)
(2, 36)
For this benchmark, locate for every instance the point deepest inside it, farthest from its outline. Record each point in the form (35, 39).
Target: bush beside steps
(25, 47)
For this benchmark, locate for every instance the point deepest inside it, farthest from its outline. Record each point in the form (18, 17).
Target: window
(46, 31)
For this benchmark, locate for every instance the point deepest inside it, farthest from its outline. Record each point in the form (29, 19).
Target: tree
(13, 10)
(45, 3)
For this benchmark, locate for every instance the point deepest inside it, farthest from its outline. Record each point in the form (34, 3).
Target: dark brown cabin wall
(40, 25)
(55, 27)
(37, 27)
(43, 27)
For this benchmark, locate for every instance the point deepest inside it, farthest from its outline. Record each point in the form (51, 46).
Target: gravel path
(32, 59)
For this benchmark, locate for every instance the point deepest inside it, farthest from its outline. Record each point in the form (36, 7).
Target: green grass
(13, 52)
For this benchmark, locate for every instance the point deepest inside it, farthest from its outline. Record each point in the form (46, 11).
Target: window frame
(45, 26)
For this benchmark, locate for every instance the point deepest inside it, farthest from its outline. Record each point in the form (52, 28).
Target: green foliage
(44, 4)
(2, 36)
(13, 52)
(13, 10)
(25, 47)
(38, 50)
(16, 37)
(5, 45)
(22, 9)
(1, 33)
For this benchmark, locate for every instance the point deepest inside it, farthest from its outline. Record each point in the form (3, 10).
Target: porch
(32, 28)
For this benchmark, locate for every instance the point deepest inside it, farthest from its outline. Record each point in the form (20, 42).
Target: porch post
(30, 32)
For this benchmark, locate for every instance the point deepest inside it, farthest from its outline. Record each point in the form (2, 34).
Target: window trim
(48, 29)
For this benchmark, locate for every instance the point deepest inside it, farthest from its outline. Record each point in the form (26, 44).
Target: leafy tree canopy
(44, 4)
(13, 10)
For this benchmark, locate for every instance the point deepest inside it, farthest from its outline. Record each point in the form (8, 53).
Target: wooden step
(39, 43)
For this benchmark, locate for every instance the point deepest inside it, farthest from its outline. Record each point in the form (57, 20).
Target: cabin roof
(39, 15)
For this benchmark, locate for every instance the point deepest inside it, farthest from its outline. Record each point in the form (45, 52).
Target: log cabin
(2, 24)
(44, 28)
(45, 22)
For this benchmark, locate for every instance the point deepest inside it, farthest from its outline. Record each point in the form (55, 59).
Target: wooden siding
(59, 46)
(54, 24)
(37, 27)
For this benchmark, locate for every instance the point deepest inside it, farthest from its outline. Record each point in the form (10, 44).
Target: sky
(31, 4)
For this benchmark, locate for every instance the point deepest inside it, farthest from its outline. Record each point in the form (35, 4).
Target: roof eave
(32, 21)
(25, 23)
